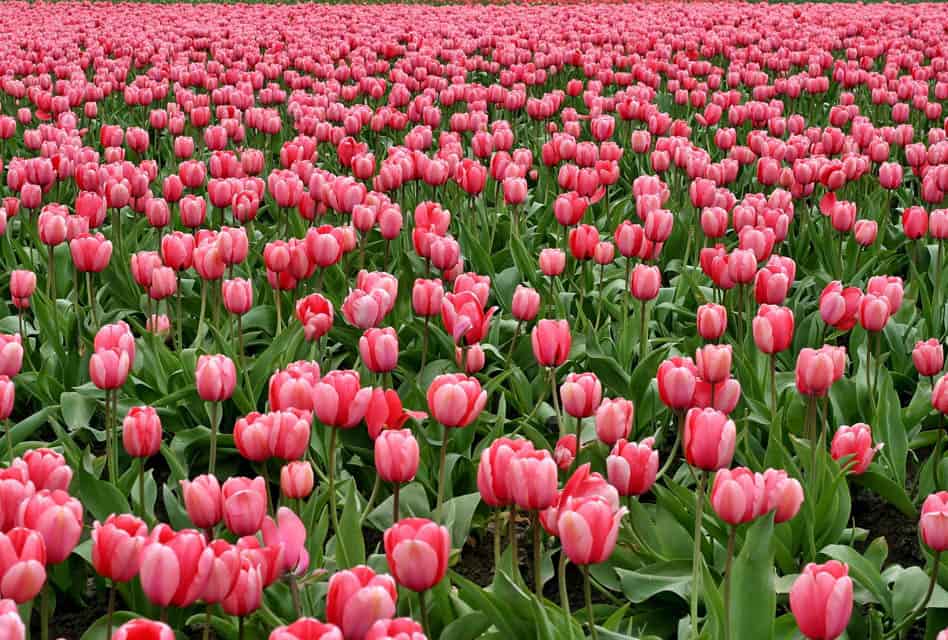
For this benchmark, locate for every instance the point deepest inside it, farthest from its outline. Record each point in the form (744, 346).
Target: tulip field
(473, 321)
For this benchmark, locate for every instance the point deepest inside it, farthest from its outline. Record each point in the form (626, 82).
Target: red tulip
(588, 528)
(142, 629)
(854, 441)
(821, 600)
(357, 598)
(215, 377)
(396, 455)
(296, 479)
(551, 342)
(22, 564)
(709, 439)
(245, 504)
(116, 546)
(632, 467)
(141, 432)
(203, 501)
(417, 551)
(455, 400)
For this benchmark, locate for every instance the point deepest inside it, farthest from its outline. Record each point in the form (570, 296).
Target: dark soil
(72, 618)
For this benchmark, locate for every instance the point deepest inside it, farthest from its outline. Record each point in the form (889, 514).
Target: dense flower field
(553, 321)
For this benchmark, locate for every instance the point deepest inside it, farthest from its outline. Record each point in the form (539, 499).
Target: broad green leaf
(752, 580)
(101, 498)
(350, 545)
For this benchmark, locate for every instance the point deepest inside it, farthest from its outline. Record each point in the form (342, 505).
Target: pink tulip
(203, 501)
(357, 598)
(551, 341)
(223, 572)
(709, 439)
(614, 420)
(396, 455)
(57, 517)
(713, 362)
(378, 349)
(296, 479)
(821, 600)
(142, 629)
(339, 400)
(11, 626)
(116, 546)
(141, 432)
(175, 566)
(288, 533)
(784, 495)
(397, 629)
(417, 552)
(712, 321)
(677, 379)
(854, 441)
(215, 377)
(307, 629)
(455, 400)
(632, 467)
(581, 394)
(245, 504)
(588, 528)
(22, 564)
(493, 471)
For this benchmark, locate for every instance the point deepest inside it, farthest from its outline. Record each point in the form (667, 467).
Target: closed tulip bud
(215, 377)
(588, 528)
(47, 469)
(712, 321)
(357, 598)
(245, 504)
(455, 400)
(471, 359)
(7, 396)
(773, 329)
(223, 572)
(854, 441)
(928, 357)
(116, 546)
(397, 629)
(938, 224)
(141, 432)
(493, 471)
(296, 479)
(11, 354)
(237, 294)
(90, 253)
(315, 313)
(57, 517)
(738, 495)
(677, 379)
(339, 400)
(709, 439)
(714, 362)
(873, 312)
(515, 191)
(581, 394)
(742, 266)
(247, 594)
(632, 467)
(378, 349)
(814, 372)
(888, 287)
(11, 626)
(604, 253)
(784, 495)
(614, 420)
(821, 600)
(109, 368)
(203, 501)
(933, 522)
(839, 306)
(22, 286)
(914, 222)
(865, 232)
(164, 283)
(526, 303)
(22, 564)
(417, 552)
(532, 479)
(714, 222)
(288, 533)
(658, 225)
(426, 296)
(396, 455)
(307, 629)
(551, 341)
(564, 452)
(552, 262)
(645, 282)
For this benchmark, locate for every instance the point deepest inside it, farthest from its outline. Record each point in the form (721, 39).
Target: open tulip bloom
(267, 297)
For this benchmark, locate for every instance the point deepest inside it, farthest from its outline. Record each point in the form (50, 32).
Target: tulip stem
(732, 534)
(537, 553)
(442, 472)
(180, 319)
(240, 628)
(643, 332)
(564, 595)
(602, 273)
(207, 622)
(936, 302)
(773, 383)
(674, 450)
(91, 292)
(424, 344)
(51, 280)
(589, 603)
(8, 428)
(141, 488)
(936, 457)
(910, 619)
(76, 308)
(295, 593)
(498, 523)
(110, 612)
(44, 613)
(423, 608)
(333, 516)
(697, 558)
(513, 343)
(372, 496)
(556, 406)
(396, 516)
(512, 534)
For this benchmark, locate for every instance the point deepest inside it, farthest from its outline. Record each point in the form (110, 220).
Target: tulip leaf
(458, 513)
(350, 545)
(76, 409)
(863, 572)
(98, 629)
(752, 580)
(660, 577)
(907, 592)
(101, 498)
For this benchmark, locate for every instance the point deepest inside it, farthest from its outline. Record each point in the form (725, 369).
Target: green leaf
(863, 572)
(458, 513)
(101, 498)
(887, 488)
(908, 591)
(98, 629)
(752, 580)
(661, 577)
(467, 627)
(350, 546)
(76, 409)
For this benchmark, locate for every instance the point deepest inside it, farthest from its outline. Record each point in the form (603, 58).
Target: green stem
(773, 383)
(396, 515)
(537, 553)
(89, 290)
(215, 425)
(936, 303)
(643, 332)
(498, 524)
(371, 501)
(602, 273)
(442, 472)
(295, 593)
(732, 534)
(180, 320)
(141, 488)
(512, 534)
(936, 457)
(561, 574)
(333, 516)
(674, 449)
(556, 406)
(424, 344)
(200, 329)
(589, 603)
(207, 622)
(44, 613)
(425, 625)
(513, 343)
(110, 612)
(9, 428)
(697, 557)
(240, 628)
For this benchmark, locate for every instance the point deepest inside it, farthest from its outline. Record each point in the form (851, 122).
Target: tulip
(677, 379)
(315, 313)
(814, 372)
(175, 566)
(738, 495)
(215, 377)
(47, 469)
(564, 452)
(821, 600)
(307, 629)
(525, 304)
(244, 504)
(713, 362)
(588, 528)
(709, 439)
(396, 455)
(856, 442)
(378, 349)
(357, 598)
(292, 388)
(614, 420)
(237, 294)
(632, 467)
(464, 317)
(397, 629)
(203, 501)
(141, 432)
(711, 321)
(7, 396)
(252, 436)
(142, 629)
(288, 533)
(552, 262)
(116, 546)
(11, 354)
(11, 626)
(551, 342)
(296, 479)
(581, 394)
(417, 552)
(22, 286)
(223, 572)
(784, 495)
(22, 564)
(247, 594)
(928, 357)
